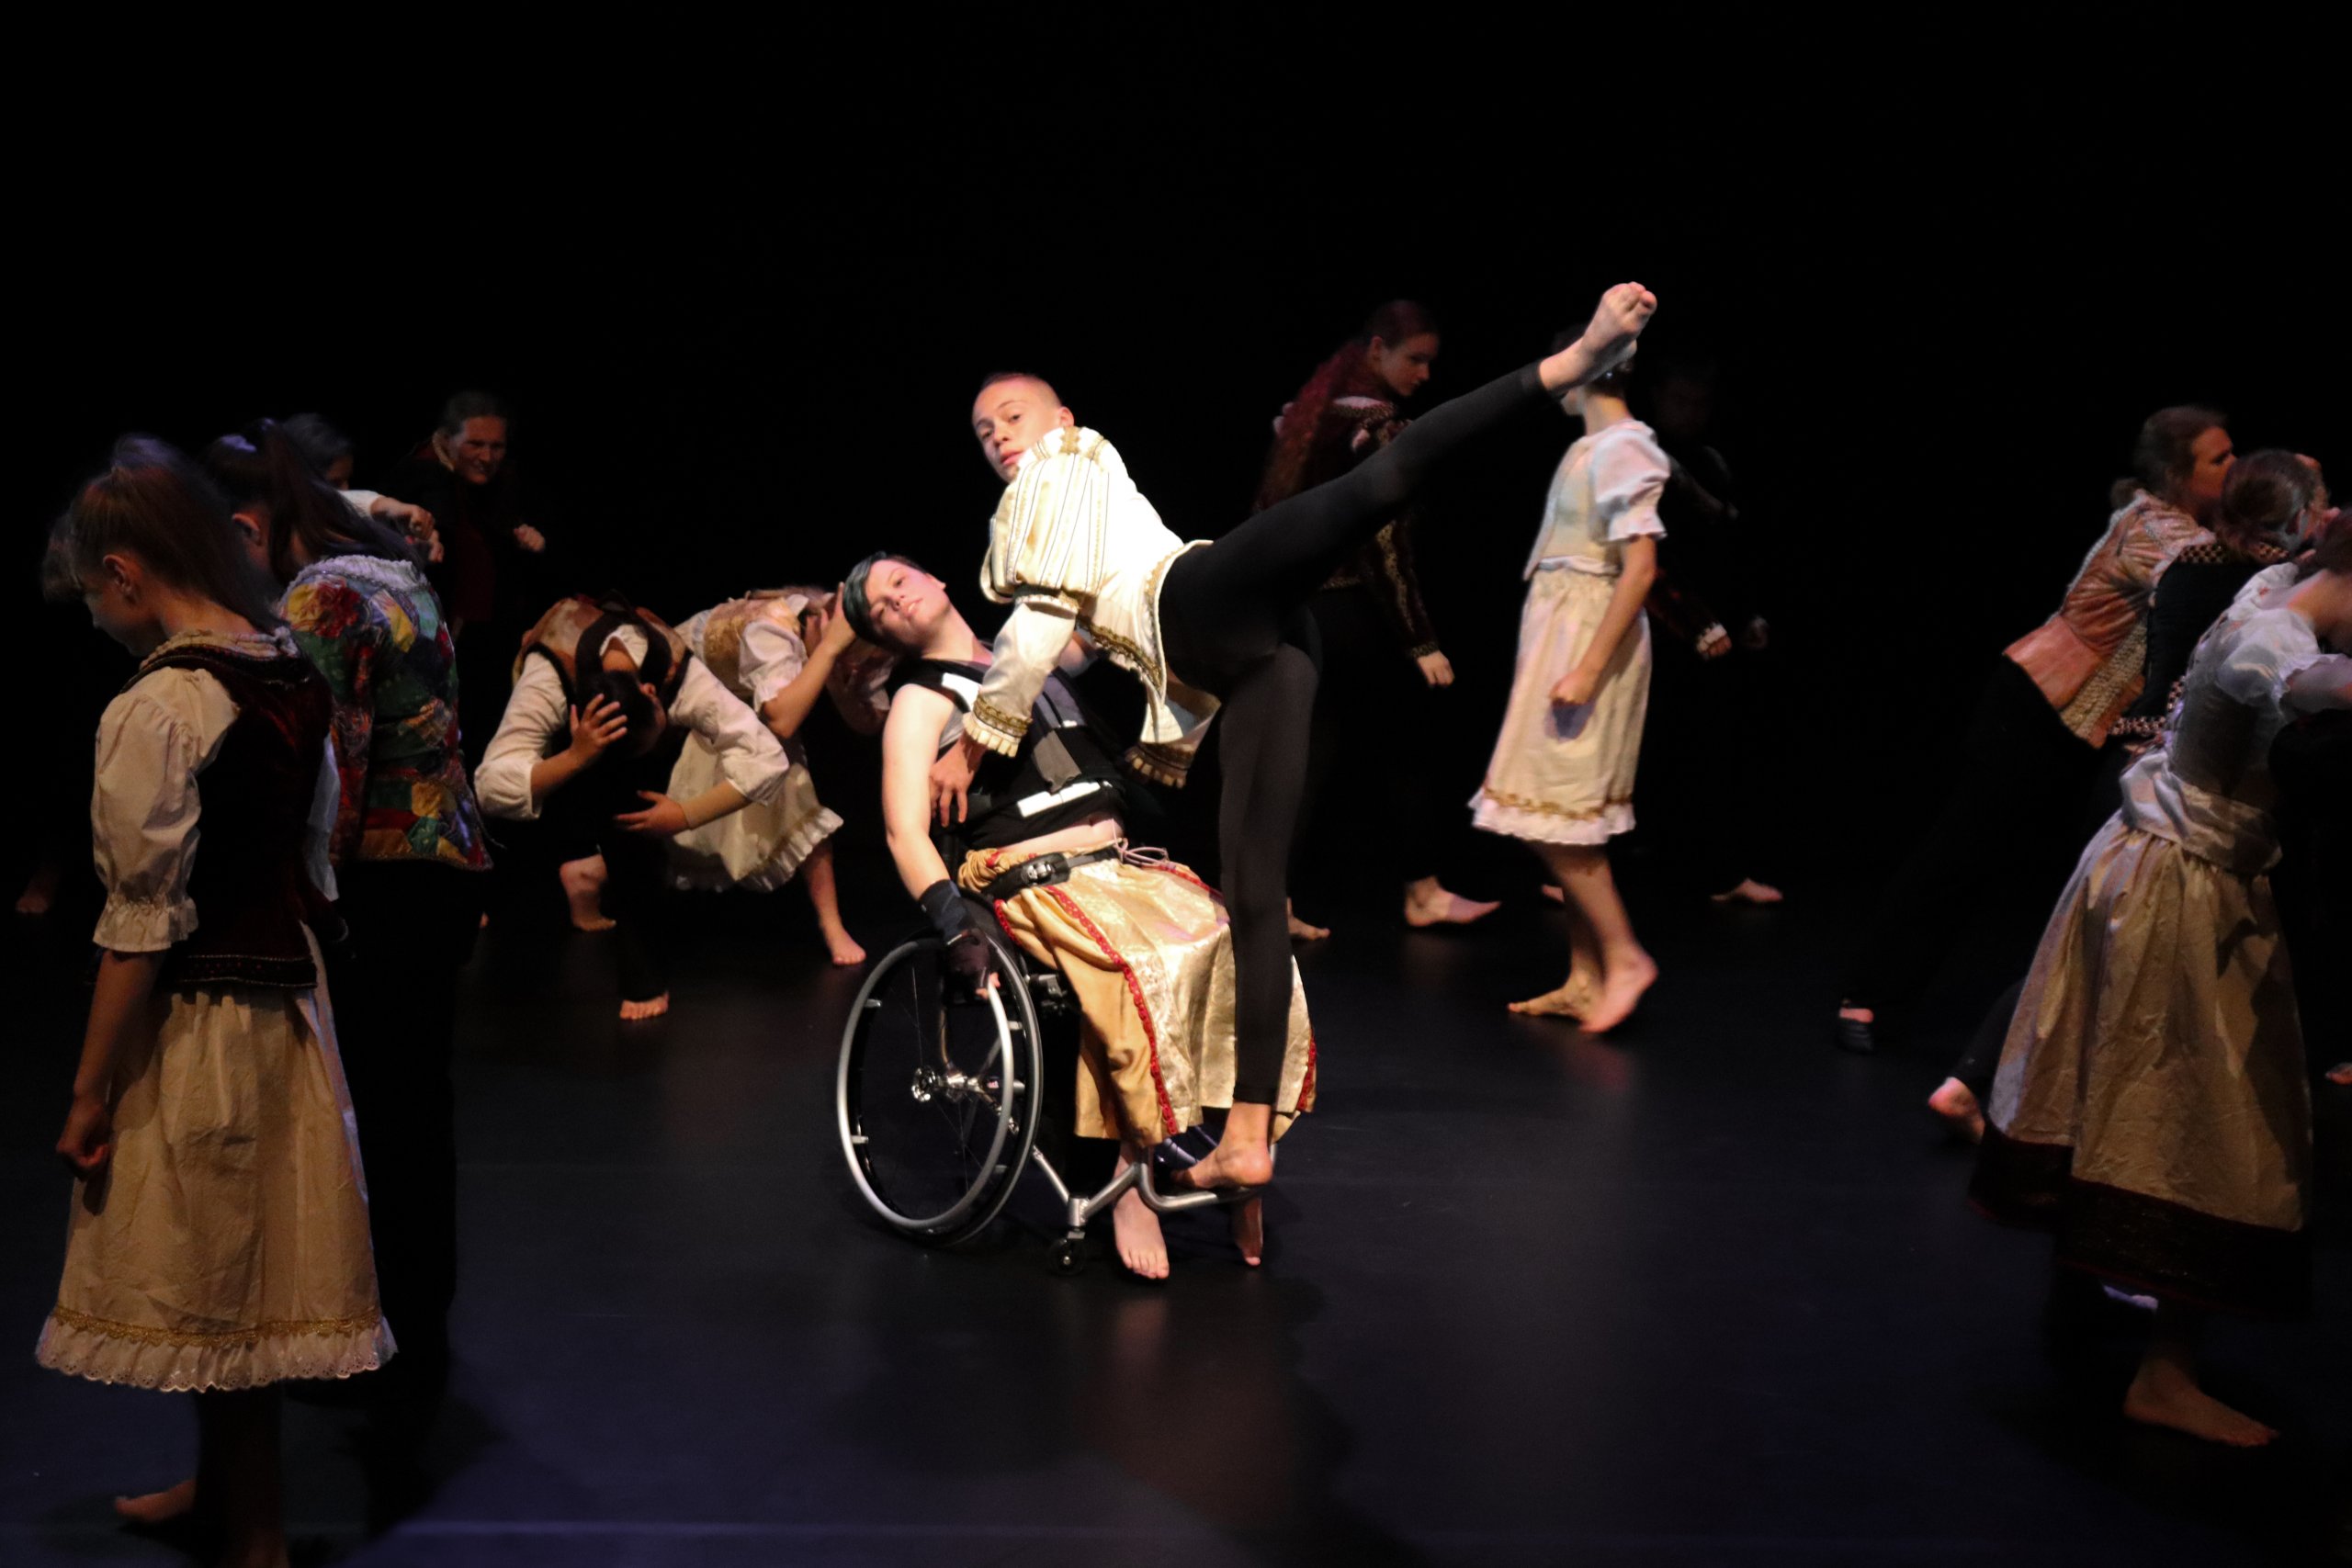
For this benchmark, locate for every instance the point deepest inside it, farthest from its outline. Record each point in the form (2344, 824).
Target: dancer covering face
(1207, 627)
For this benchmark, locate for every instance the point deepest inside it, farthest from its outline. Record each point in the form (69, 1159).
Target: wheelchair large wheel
(938, 1090)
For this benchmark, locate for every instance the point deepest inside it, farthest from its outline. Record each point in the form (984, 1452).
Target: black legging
(1231, 616)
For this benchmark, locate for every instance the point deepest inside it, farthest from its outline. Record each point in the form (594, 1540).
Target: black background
(740, 288)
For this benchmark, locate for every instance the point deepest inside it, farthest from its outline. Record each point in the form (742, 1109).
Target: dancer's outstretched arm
(1623, 312)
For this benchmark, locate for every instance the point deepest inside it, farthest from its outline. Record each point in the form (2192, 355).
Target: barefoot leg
(1627, 970)
(1134, 1229)
(2164, 1392)
(1244, 1156)
(824, 897)
(1250, 1230)
(584, 889)
(238, 1465)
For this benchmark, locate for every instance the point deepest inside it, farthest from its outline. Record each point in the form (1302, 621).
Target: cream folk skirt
(1565, 776)
(1148, 952)
(2153, 1105)
(225, 1243)
(758, 848)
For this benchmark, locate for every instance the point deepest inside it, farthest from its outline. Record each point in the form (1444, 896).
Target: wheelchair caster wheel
(1069, 1259)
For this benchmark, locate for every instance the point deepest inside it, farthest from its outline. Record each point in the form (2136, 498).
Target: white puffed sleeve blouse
(154, 741)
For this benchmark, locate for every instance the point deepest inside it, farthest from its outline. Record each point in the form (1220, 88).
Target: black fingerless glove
(967, 950)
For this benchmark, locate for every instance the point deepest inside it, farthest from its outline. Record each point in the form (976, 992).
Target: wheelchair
(940, 1096)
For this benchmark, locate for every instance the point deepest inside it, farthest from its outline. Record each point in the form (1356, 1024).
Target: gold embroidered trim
(328, 1327)
(1544, 807)
(997, 718)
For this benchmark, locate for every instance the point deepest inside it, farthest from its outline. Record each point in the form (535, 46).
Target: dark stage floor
(1707, 1294)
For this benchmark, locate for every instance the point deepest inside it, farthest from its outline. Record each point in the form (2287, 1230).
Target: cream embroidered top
(154, 740)
(1604, 493)
(1076, 550)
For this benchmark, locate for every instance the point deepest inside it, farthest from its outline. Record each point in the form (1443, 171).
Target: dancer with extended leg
(1561, 778)
(1208, 629)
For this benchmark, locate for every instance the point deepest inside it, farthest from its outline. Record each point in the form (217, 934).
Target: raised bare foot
(1573, 1000)
(1136, 1230)
(1431, 904)
(1299, 930)
(1250, 1230)
(153, 1509)
(843, 950)
(2161, 1396)
(1956, 1104)
(584, 886)
(655, 1007)
(1229, 1165)
(1620, 991)
(1623, 312)
(1749, 891)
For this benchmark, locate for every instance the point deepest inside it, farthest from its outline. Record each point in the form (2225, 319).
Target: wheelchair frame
(1013, 1094)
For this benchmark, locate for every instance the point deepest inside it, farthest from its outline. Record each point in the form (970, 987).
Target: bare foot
(2163, 1396)
(1956, 1104)
(843, 950)
(1250, 1230)
(1573, 1000)
(1136, 1230)
(2341, 1074)
(1231, 1165)
(632, 1011)
(1749, 891)
(153, 1509)
(583, 886)
(1620, 990)
(1299, 930)
(1430, 904)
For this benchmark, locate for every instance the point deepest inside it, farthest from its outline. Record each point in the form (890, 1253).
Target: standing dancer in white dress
(1561, 778)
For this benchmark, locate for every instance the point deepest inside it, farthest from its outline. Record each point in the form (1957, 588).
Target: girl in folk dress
(219, 1233)
(778, 650)
(2152, 1106)
(1561, 778)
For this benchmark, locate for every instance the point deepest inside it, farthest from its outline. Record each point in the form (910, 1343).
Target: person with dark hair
(1380, 654)
(1214, 628)
(408, 852)
(330, 455)
(491, 575)
(1562, 777)
(779, 652)
(605, 697)
(218, 1234)
(2152, 1106)
(2032, 749)
(1143, 943)
(1709, 701)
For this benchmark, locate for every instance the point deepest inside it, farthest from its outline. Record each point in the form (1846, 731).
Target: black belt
(1042, 871)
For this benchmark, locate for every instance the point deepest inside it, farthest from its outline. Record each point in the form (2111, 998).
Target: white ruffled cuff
(144, 925)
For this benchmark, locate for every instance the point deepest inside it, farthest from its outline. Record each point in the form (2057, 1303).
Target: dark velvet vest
(253, 896)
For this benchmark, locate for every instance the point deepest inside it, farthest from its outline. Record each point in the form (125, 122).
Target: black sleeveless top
(1066, 771)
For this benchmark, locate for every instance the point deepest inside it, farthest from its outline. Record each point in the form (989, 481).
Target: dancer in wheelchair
(1142, 943)
(1209, 628)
